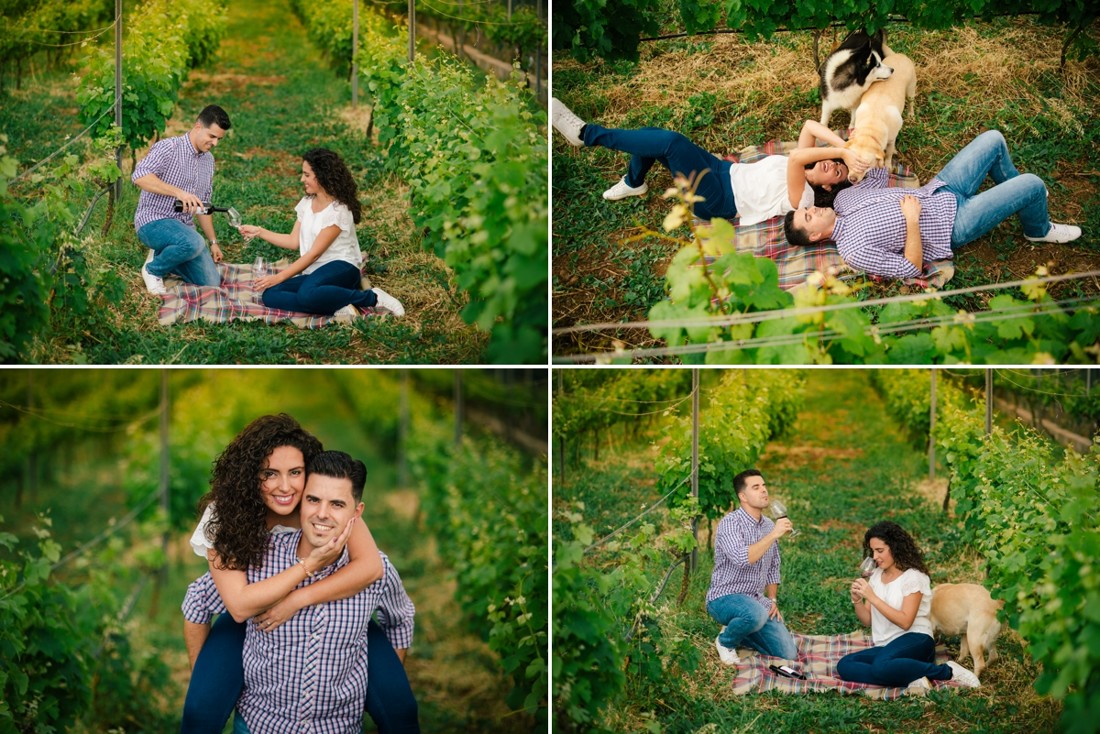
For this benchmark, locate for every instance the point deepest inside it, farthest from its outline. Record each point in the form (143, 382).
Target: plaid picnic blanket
(795, 264)
(234, 300)
(817, 659)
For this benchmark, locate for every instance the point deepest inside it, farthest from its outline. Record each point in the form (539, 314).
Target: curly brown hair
(239, 527)
(335, 178)
(901, 544)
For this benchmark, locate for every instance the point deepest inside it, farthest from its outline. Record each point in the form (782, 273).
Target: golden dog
(877, 120)
(968, 610)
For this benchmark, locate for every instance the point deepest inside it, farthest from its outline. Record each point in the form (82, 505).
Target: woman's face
(309, 180)
(881, 553)
(282, 480)
(827, 173)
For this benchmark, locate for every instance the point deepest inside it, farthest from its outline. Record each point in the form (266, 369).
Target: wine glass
(867, 567)
(779, 511)
(234, 217)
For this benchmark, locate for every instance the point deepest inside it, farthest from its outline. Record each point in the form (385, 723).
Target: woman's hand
(248, 231)
(278, 614)
(854, 591)
(262, 284)
(863, 589)
(330, 551)
(856, 165)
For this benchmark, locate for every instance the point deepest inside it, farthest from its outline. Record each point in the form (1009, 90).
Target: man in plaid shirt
(892, 232)
(180, 168)
(745, 581)
(310, 673)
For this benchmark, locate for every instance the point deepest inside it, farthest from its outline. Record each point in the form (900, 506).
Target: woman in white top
(325, 277)
(896, 602)
(770, 187)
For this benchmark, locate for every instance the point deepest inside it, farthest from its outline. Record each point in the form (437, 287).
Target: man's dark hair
(795, 236)
(742, 479)
(213, 115)
(339, 465)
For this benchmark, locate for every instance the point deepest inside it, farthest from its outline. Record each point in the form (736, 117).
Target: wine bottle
(207, 207)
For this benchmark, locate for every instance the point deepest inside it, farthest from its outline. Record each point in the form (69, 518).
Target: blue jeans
(649, 145)
(747, 623)
(324, 291)
(898, 663)
(181, 250)
(1014, 193)
(218, 678)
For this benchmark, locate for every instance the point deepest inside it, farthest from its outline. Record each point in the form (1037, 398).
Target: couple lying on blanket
(880, 230)
(895, 601)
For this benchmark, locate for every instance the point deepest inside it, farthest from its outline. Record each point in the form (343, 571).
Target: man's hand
(191, 203)
(910, 208)
(774, 612)
(216, 252)
(782, 526)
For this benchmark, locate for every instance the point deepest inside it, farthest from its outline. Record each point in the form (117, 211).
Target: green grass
(843, 466)
(282, 99)
(724, 94)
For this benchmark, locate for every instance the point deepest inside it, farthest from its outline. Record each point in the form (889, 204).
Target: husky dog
(968, 610)
(849, 70)
(877, 120)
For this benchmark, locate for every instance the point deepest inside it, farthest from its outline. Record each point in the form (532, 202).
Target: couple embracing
(895, 601)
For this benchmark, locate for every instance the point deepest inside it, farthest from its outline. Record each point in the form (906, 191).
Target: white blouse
(346, 245)
(911, 581)
(760, 189)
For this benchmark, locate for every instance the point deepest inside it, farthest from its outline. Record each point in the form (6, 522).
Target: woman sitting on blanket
(756, 191)
(325, 278)
(896, 602)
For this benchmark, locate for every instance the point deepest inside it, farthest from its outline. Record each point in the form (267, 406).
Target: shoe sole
(619, 197)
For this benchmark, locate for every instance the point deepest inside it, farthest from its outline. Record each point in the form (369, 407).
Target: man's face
(327, 506)
(206, 138)
(816, 221)
(755, 493)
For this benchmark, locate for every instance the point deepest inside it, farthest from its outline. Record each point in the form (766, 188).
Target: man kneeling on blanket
(892, 232)
(745, 581)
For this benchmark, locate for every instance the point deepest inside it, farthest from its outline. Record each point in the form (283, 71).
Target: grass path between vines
(843, 466)
(283, 99)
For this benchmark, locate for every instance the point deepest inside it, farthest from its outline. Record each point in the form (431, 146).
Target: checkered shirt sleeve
(395, 609)
(870, 228)
(202, 600)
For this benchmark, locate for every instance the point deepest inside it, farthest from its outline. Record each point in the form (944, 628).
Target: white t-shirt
(760, 189)
(200, 543)
(911, 581)
(346, 245)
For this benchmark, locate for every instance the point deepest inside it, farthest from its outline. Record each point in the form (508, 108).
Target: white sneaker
(963, 676)
(388, 302)
(154, 284)
(1058, 233)
(347, 313)
(622, 190)
(566, 123)
(728, 656)
(921, 684)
